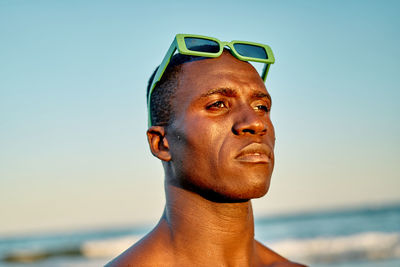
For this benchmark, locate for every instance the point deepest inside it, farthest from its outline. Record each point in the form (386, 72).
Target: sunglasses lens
(247, 50)
(201, 45)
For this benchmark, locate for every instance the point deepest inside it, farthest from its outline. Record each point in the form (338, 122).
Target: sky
(73, 75)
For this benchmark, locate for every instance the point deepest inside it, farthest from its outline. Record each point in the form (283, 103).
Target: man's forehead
(226, 59)
(220, 71)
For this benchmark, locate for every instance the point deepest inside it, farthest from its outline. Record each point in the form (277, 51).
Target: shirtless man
(211, 129)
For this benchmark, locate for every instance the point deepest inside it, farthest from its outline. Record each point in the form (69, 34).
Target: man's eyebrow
(220, 91)
(229, 92)
(259, 94)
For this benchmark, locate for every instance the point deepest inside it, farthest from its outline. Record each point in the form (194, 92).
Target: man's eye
(216, 105)
(262, 107)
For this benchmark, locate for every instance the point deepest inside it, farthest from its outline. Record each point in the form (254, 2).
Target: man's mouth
(255, 153)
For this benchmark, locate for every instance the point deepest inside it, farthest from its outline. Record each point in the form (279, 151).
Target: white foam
(367, 246)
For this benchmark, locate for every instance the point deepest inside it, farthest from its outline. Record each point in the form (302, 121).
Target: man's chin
(241, 193)
(255, 192)
(253, 186)
(235, 189)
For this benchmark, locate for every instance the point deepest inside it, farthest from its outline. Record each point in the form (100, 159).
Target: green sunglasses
(203, 46)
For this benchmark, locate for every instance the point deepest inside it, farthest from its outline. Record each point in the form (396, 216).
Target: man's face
(221, 138)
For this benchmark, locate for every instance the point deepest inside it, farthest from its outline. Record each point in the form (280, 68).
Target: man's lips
(255, 153)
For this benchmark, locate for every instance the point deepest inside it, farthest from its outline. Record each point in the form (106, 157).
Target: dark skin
(217, 155)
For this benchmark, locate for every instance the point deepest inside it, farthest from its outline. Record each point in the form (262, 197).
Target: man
(210, 126)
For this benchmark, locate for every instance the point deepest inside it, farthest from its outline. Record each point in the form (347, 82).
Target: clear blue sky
(73, 150)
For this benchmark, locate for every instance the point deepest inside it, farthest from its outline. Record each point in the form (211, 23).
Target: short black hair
(161, 110)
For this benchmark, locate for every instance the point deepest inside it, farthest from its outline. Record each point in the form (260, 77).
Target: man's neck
(222, 231)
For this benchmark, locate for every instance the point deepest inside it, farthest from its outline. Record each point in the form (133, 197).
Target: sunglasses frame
(180, 45)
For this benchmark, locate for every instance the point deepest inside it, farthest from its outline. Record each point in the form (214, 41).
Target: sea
(357, 237)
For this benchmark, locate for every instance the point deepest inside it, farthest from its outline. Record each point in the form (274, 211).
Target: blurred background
(78, 184)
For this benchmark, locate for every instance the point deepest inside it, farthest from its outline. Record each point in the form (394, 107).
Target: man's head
(219, 142)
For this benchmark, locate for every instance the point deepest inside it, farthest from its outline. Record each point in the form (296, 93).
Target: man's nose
(248, 121)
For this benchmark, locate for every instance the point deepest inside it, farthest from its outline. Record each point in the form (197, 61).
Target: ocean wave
(362, 246)
(105, 248)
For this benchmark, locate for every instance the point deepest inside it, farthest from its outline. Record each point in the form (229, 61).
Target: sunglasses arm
(265, 71)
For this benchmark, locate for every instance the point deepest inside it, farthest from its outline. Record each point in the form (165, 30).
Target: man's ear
(158, 142)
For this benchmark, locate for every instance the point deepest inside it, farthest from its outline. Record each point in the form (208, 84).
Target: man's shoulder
(272, 259)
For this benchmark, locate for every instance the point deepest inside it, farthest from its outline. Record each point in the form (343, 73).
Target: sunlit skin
(217, 155)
